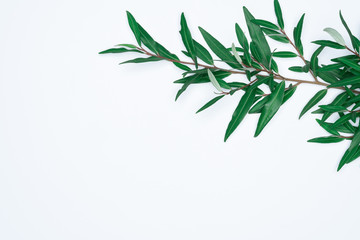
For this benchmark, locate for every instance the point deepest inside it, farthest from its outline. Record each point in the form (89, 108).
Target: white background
(93, 150)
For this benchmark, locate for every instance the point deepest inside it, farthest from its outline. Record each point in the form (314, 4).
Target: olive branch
(265, 89)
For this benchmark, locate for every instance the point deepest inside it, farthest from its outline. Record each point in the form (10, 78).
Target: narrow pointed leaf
(241, 37)
(258, 38)
(203, 54)
(240, 112)
(210, 103)
(214, 81)
(330, 108)
(219, 49)
(314, 62)
(351, 64)
(346, 81)
(271, 107)
(278, 14)
(327, 127)
(335, 35)
(284, 54)
(119, 50)
(148, 41)
(297, 34)
(330, 44)
(187, 39)
(143, 60)
(236, 54)
(265, 23)
(352, 38)
(313, 101)
(330, 139)
(134, 27)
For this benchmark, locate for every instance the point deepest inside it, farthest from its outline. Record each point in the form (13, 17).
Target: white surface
(93, 150)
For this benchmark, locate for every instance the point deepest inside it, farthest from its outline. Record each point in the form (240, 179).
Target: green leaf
(134, 27)
(296, 69)
(219, 49)
(330, 139)
(236, 54)
(314, 62)
(278, 14)
(265, 23)
(353, 39)
(330, 108)
(351, 64)
(284, 54)
(187, 39)
(327, 127)
(241, 37)
(351, 151)
(288, 93)
(338, 101)
(143, 60)
(189, 81)
(119, 50)
(203, 54)
(258, 38)
(336, 36)
(330, 44)
(271, 107)
(126, 45)
(330, 67)
(346, 81)
(214, 81)
(240, 112)
(277, 36)
(148, 41)
(342, 120)
(204, 78)
(210, 103)
(182, 66)
(313, 101)
(258, 107)
(297, 34)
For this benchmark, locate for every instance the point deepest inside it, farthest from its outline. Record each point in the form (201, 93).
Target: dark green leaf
(210, 103)
(219, 49)
(330, 108)
(189, 81)
(284, 54)
(203, 54)
(353, 40)
(330, 139)
(314, 62)
(327, 127)
(327, 43)
(296, 69)
(241, 37)
(346, 81)
(187, 39)
(288, 93)
(258, 38)
(342, 120)
(148, 41)
(313, 101)
(351, 64)
(271, 107)
(143, 60)
(265, 23)
(134, 27)
(278, 14)
(119, 50)
(240, 112)
(182, 66)
(297, 34)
